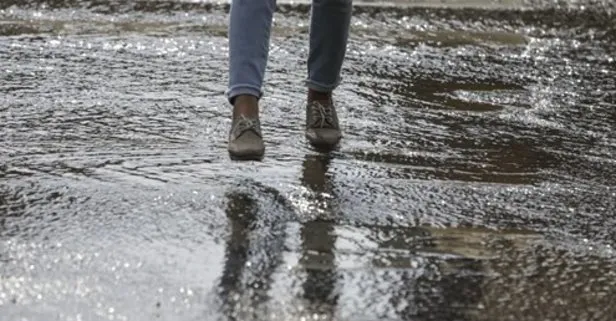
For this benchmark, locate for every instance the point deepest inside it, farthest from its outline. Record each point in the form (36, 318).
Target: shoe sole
(324, 146)
(253, 157)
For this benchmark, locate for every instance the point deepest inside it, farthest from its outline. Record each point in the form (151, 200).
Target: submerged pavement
(476, 179)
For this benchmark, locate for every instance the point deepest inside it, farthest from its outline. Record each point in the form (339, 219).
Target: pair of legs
(249, 38)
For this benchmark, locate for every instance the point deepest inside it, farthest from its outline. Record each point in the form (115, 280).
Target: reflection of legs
(318, 259)
(318, 242)
(241, 212)
(263, 247)
(314, 173)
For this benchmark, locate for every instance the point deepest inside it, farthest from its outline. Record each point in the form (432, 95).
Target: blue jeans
(249, 35)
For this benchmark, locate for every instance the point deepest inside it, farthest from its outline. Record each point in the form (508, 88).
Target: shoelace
(322, 115)
(245, 124)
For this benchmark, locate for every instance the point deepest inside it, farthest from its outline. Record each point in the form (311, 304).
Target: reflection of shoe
(313, 175)
(322, 127)
(245, 140)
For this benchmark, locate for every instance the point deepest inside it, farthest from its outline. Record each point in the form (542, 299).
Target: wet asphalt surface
(476, 179)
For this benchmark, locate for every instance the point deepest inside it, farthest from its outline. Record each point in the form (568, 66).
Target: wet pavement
(476, 179)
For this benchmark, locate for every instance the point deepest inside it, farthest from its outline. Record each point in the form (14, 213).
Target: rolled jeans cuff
(237, 90)
(320, 87)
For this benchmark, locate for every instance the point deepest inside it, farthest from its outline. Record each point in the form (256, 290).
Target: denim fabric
(249, 38)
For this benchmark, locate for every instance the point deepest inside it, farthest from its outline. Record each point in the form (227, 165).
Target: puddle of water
(475, 180)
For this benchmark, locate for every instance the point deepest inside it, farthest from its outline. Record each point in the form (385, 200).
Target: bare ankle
(246, 105)
(314, 95)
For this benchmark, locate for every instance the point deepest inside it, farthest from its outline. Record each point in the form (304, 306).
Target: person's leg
(249, 35)
(329, 31)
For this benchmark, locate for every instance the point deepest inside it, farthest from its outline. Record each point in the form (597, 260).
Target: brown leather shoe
(245, 140)
(322, 126)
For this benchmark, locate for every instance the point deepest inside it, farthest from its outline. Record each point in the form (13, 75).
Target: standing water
(476, 179)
